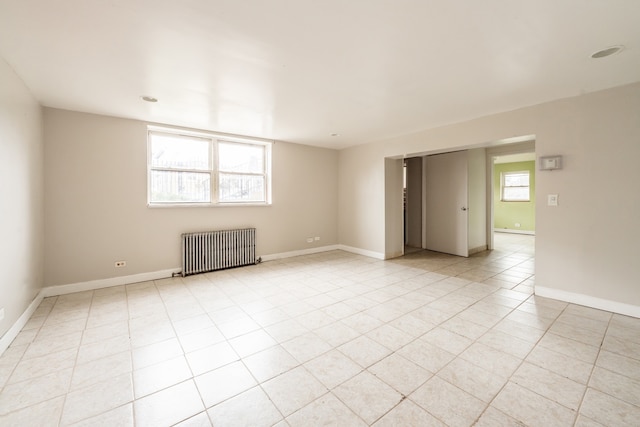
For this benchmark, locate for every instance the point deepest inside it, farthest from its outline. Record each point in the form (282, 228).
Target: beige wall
(96, 212)
(361, 199)
(95, 195)
(413, 214)
(394, 214)
(585, 246)
(21, 192)
(477, 161)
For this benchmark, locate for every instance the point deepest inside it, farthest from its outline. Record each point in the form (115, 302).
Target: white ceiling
(300, 70)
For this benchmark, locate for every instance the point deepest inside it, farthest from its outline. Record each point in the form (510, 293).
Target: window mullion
(215, 179)
(169, 182)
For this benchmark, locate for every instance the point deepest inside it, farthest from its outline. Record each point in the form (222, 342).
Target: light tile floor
(327, 339)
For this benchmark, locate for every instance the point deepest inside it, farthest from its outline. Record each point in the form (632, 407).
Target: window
(201, 169)
(515, 186)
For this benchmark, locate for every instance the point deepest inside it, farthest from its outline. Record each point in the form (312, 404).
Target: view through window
(207, 170)
(515, 186)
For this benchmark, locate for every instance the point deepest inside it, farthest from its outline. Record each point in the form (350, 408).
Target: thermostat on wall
(549, 163)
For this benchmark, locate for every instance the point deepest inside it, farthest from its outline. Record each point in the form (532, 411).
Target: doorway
(403, 172)
(512, 202)
(445, 202)
(413, 204)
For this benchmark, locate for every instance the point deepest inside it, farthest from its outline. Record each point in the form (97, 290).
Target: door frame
(491, 153)
(414, 202)
(393, 240)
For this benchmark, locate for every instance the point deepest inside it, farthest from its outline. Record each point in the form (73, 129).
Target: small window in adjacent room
(204, 170)
(515, 186)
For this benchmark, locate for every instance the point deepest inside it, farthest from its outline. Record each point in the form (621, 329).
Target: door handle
(463, 208)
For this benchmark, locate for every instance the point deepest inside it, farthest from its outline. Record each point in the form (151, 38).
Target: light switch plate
(552, 200)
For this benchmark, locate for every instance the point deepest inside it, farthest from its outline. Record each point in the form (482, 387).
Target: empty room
(306, 213)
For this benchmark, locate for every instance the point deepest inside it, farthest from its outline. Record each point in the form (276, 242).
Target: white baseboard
(91, 285)
(290, 254)
(370, 254)
(358, 251)
(514, 231)
(14, 330)
(477, 250)
(394, 255)
(589, 301)
(51, 291)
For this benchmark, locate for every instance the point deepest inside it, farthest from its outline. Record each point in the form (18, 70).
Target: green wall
(507, 214)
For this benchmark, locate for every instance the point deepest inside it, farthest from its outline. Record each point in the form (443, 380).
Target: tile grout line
(595, 363)
(475, 341)
(241, 359)
(75, 364)
(184, 355)
(518, 367)
(439, 325)
(376, 288)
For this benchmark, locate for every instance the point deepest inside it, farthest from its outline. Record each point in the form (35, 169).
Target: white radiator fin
(216, 250)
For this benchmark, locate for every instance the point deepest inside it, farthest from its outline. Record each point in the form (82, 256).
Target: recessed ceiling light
(149, 99)
(603, 53)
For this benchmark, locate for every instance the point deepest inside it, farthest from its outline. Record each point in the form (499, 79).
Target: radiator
(216, 250)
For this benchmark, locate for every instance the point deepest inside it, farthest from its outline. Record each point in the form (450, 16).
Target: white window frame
(214, 172)
(503, 186)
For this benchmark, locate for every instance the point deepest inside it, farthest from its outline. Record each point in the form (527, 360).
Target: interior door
(446, 203)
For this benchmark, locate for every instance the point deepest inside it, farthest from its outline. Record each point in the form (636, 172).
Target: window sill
(205, 205)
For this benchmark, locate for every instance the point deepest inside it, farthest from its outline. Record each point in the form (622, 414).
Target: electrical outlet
(121, 264)
(317, 238)
(1, 313)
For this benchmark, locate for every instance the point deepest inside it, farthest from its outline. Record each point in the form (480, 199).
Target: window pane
(178, 151)
(185, 187)
(241, 158)
(516, 193)
(516, 179)
(241, 188)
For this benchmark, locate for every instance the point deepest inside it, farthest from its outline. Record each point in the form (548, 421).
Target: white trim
(213, 168)
(91, 285)
(503, 186)
(370, 254)
(589, 301)
(514, 231)
(358, 251)
(290, 254)
(393, 255)
(517, 145)
(171, 205)
(477, 249)
(13, 332)
(50, 291)
(207, 134)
